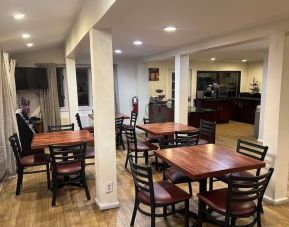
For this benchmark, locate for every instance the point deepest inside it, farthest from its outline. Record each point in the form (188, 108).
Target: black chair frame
(61, 128)
(17, 150)
(119, 126)
(143, 180)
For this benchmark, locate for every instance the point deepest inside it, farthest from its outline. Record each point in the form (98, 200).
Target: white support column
(182, 79)
(276, 123)
(103, 113)
(142, 90)
(72, 90)
(263, 98)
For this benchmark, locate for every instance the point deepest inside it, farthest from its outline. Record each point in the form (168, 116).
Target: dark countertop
(193, 109)
(231, 99)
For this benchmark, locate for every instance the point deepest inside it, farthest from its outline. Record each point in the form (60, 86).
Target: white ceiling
(197, 20)
(48, 22)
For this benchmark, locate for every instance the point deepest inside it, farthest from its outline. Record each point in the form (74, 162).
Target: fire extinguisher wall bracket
(134, 102)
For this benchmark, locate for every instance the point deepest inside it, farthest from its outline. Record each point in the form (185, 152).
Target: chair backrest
(60, 128)
(188, 138)
(133, 118)
(208, 131)
(119, 123)
(146, 121)
(131, 138)
(165, 143)
(25, 132)
(247, 189)
(142, 177)
(68, 154)
(252, 150)
(78, 120)
(16, 148)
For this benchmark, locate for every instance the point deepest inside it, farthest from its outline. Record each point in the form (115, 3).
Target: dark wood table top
(117, 115)
(42, 140)
(166, 128)
(203, 161)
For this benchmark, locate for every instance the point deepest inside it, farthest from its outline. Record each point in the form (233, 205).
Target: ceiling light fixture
(244, 60)
(118, 51)
(213, 59)
(25, 36)
(19, 16)
(170, 29)
(30, 44)
(137, 43)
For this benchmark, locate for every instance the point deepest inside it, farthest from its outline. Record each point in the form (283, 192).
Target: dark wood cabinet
(223, 108)
(241, 109)
(244, 110)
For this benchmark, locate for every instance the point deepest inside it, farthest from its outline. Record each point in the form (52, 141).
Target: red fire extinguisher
(134, 102)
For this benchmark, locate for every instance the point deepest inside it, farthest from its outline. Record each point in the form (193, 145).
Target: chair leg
(48, 176)
(211, 182)
(135, 158)
(261, 209)
(19, 181)
(153, 216)
(126, 161)
(54, 189)
(84, 182)
(187, 213)
(165, 209)
(146, 157)
(190, 188)
(134, 213)
(259, 224)
(122, 143)
(233, 221)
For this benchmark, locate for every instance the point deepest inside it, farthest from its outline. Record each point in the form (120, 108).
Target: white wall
(255, 70)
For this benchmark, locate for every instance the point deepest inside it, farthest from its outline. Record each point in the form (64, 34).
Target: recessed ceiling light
(137, 43)
(213, 59)
(30, 44)
(19, 16)
(118, 51)
(25, 36)
(170, 28)
(244, 60)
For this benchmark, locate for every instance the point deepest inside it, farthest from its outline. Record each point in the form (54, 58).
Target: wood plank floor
(32, 207)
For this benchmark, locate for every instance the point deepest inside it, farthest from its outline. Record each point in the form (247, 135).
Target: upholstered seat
(90, 152)
(31, 160)
(165, 193)
(143, 146)
(217, 200)
(176, 176)
(90, 129)
(68, 168)
(203, 141)
(224, 178)
(152, 138)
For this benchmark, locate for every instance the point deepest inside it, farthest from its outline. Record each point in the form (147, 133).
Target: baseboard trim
(106, 206)
(275, 201)
(260, 140)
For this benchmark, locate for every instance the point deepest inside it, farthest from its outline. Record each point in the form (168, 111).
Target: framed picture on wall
(154, 74)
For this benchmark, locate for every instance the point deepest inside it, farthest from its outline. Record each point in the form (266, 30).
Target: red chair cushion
(237, 174)
(176, 176)
(217, 200)
(90, 152)
(203, 141)
(143, 146)
(68, 168)
(165, 193)
(37, 159)
(90, 129)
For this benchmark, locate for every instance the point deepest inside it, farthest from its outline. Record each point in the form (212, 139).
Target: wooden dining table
(165, 128)
(117, 115)
(204, 161)
(42, 140)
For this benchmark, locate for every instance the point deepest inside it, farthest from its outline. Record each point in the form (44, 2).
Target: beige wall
(248, 71)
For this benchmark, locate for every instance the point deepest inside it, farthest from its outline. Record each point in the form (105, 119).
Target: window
(60, 87)
(82, 86)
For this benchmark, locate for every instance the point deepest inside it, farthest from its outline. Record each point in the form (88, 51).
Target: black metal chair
(90, 128)
(181, 139)
(61, 128)
(132, 121)
(207, 132)
(155, 194)
(73, 165)
(118, 131)
(149, 137)
(242, 199)
(249, 149)
(24, 162)
(137, 149)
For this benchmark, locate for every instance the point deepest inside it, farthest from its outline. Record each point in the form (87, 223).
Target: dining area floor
(33, 206)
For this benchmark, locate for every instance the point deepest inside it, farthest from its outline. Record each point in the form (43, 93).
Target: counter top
(230, 99)
(193, 109)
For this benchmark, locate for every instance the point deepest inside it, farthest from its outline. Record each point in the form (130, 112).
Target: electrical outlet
(108, 187)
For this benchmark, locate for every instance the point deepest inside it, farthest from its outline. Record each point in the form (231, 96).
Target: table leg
(201, 205)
